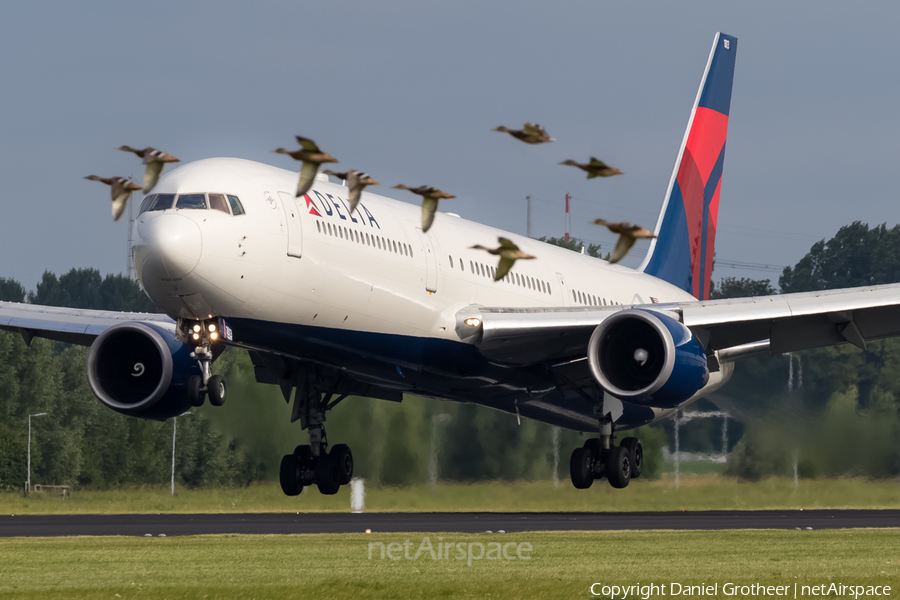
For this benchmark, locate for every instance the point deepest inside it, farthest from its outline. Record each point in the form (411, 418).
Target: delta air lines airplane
(331, 303)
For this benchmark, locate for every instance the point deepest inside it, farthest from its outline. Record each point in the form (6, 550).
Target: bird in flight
(594, 168)
(356, 182)
(628, 234)
(311, 157)
(531, 133)
(155, 160)
(508, 252)
(120, 191)
(430, 198)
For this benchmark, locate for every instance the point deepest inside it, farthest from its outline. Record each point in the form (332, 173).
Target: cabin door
(292, 216)
(564, 289)
(430, 260)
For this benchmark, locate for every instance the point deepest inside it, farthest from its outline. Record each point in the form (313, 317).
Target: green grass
(563, 565)
(697, 492)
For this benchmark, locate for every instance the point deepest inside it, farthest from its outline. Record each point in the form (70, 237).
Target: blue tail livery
(682, 253)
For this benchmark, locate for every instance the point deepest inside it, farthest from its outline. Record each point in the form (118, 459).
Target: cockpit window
(217, 202)
(236, 207)
(160, 202)
(191, 201)
(145, 204)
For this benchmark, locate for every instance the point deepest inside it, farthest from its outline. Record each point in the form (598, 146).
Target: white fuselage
(280, 263)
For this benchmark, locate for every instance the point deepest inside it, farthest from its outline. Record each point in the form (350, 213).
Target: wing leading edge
(70, 325)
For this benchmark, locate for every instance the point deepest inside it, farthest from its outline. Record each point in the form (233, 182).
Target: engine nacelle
(648, 358)
(141, 370)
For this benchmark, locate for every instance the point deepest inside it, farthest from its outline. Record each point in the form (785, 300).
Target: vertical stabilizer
(682, 253)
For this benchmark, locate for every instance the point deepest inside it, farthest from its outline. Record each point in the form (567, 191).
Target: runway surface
(196, 524)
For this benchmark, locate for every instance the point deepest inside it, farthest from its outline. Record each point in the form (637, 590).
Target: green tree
(855, 256)
(11, 291)
(85, 288)
(732, 287)
(575, 245)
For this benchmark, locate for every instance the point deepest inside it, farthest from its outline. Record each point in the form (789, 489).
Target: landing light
(196, 328)
(214, 336)
(212, 326)
(473, 322)
(196, 336)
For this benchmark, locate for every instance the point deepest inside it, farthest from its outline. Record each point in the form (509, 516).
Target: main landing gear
(314, 463)
(202, 335)
(599, 458)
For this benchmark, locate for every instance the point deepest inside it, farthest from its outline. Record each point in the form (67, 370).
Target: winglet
(683, 251)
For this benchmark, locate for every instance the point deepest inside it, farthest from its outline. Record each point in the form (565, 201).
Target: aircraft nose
(168, 246)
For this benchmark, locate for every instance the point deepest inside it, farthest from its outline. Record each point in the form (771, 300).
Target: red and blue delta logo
(327, 205)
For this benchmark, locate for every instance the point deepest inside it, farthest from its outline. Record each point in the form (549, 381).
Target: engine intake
(647, 357)
(141, 370)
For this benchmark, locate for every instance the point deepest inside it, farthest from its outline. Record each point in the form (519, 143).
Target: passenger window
(191, 201)
(236, 207)
(162, 202)
(217, 202)
(318, 226)
(145, 204)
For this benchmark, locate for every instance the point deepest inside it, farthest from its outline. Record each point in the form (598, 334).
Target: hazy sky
(409, 91)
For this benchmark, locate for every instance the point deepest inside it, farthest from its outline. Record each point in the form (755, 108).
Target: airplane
(331, 303)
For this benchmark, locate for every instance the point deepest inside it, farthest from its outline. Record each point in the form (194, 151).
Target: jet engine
(648, 358)
(141, 370)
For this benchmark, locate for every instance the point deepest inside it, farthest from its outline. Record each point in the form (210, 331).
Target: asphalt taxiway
(289, 523)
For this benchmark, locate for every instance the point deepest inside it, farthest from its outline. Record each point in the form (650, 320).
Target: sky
(410, 90)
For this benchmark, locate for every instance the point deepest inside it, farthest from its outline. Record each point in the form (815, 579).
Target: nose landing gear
(202, 335)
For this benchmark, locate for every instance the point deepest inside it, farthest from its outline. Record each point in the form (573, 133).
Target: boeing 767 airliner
(331, 303)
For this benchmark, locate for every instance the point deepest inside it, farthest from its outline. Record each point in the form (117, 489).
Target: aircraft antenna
(129, 254)
(568, 218)
(528, 222)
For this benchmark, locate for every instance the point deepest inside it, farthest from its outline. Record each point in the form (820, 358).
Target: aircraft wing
(70, 325)
(788, 321)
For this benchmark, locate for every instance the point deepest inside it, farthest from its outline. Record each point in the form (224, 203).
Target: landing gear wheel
(343, 459)
(194, 385)
(288, 475)
(618, 467)
(633, 445)
(580, 468)
(328, 475)
(216, 389)
(303, 453)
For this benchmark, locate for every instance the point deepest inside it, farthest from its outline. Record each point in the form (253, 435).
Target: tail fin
(682, 253)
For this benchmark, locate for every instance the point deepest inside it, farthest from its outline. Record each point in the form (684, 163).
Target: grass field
(697, 492)
(562, 565)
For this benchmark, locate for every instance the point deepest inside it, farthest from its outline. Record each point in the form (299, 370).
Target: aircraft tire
(288, 476)
(216, 390)
(595, 447)
(618, 467)
(343, 458)
(194, 387)
(580, 468)
(328, 478)
(633, 445)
